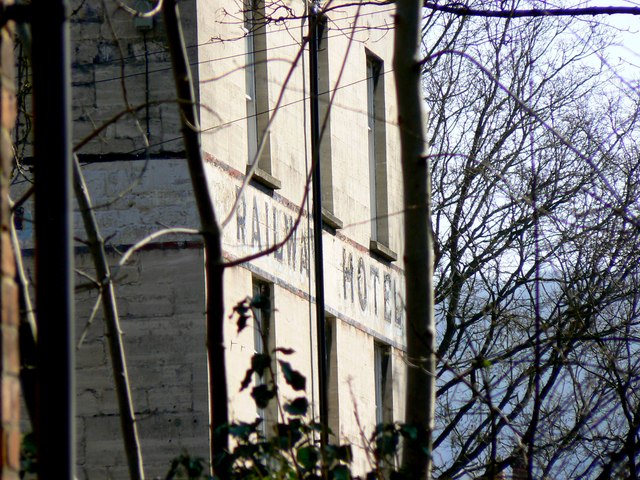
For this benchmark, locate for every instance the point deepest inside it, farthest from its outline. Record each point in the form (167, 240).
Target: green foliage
(185, 467)
(262, 394)
(243, 309)
(298, 406)
(293, 377)
(291, 449)
(28, 463)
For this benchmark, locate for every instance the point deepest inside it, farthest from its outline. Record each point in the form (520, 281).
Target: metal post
(317, 222)
(53, 235)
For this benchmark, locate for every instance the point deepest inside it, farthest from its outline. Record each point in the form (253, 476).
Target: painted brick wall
(116, 65)
(9, 354)
(161, 305)
(110, 60)
(160, 295)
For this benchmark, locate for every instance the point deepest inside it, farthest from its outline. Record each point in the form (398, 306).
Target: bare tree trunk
(9, 316)
(28, 331)
(112, 320)
(418, 249)
(214, 267)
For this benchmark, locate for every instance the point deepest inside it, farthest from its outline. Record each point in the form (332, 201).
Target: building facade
(251, 70)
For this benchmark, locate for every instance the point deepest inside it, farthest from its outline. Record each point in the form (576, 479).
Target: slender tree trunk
(9, 316)
(112, 321)
(418, 249)
(211, 233)
(28, 331)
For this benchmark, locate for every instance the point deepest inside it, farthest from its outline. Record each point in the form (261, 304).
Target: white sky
(627, 35)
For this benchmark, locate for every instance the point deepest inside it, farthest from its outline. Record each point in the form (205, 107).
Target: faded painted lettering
(241, 220)
(255, 226)
(375, 278)
(362, 284)
(380, 297)
(388, 313)
(347, 272)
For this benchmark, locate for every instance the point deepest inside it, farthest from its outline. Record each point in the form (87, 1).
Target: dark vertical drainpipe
(317, 221)
(53, 235)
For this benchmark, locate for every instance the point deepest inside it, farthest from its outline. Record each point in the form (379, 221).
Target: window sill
(383, 251)
(330, 220)
(265, 178)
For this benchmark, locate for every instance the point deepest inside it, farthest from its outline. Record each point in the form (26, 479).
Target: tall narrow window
(377, 148)
(250, 79)
(332, 375)
(383, 385)
(324, 97)
(257, 93)
(263, 341)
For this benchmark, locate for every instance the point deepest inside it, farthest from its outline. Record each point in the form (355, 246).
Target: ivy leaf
(297, 407)
(261, 302)
(242, 322)
(341, 453)
(316, 427)
(241, 430)
(242, 310)
(262, 394)
(289, 433)
(260, 362)
(246, 451)
(308, 457)
(340, 472)
(344, 453)
(285, 351)
(293, 377)
(246, 381)
(386, 444)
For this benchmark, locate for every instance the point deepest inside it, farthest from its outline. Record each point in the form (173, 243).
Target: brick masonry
(117, 66)
(160, 296)
(9, 354)
(114, 63)
(161, 305)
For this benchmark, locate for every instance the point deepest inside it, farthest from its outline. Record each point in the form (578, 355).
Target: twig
(116, 346)
(92, 316)
(150, 238)
(212, 235)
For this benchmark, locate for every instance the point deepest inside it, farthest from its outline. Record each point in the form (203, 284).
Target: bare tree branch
(112, 321)
(212, 235)
(457, 9)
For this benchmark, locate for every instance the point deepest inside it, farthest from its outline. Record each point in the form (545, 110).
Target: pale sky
(628, 36)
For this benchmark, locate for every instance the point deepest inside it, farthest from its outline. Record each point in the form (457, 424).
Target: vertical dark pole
(53, 230)
(317, 221)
